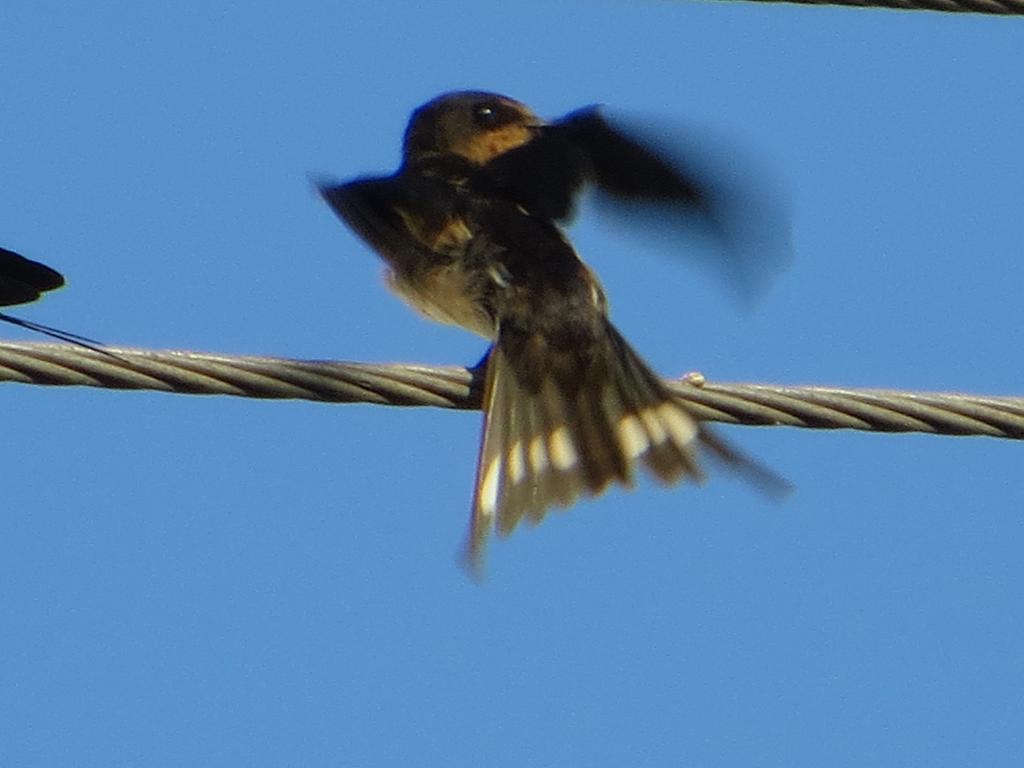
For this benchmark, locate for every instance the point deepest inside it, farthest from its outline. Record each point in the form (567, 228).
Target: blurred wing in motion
(659, 191)
(624, 168)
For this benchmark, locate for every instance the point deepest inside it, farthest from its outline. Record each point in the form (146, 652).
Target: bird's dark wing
(624, 167)
(394, 215)
(714, 192)
(546, 174)
(23, 280)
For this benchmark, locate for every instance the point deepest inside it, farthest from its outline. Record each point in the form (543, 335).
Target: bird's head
(473, 125)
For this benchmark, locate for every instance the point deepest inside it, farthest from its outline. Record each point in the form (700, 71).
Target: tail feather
(538, 467)
(526, 456)
(651, 417)
(565, 484)
(601, 458)
(763, 478)
(552, 434)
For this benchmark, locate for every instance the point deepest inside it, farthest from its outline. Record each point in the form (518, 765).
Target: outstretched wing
(400, 218)
(712, 191)
(546, 175)
(626, 168)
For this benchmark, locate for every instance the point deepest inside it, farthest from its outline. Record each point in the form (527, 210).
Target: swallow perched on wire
(22, 281)
(469, 229)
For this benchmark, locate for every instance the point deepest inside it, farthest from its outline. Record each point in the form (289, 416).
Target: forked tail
(567, 420)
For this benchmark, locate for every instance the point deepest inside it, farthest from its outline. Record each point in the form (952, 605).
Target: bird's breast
(448, 293)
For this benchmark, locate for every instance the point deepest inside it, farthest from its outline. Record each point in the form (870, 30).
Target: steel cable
(1001, 7)
(456, 387)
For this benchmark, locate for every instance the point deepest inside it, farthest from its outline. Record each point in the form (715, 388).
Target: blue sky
(209, 581)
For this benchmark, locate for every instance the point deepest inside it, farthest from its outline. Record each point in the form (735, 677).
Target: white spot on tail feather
(489, 488)
(632, 436)
(563, 453)
(681, 427)
(516, 462)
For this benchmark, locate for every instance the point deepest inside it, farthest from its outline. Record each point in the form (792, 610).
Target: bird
(470, 227)
(22, 281)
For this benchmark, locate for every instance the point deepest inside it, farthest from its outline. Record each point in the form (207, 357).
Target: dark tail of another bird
(23, 280)
(56, 333)
(563, 421)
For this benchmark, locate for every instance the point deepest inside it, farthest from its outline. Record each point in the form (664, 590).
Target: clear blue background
(213, 581)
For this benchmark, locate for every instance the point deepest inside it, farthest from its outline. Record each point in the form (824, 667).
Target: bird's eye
(486, 115)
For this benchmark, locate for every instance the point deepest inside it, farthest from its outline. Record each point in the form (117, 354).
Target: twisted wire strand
(1001, 7)
(456, 387)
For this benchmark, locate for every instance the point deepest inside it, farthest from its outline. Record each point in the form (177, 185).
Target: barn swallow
(22, 281)
(469, 229)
